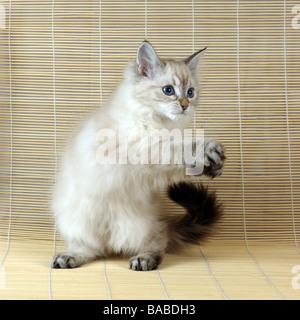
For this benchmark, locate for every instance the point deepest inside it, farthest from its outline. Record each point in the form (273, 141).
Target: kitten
(103, 209)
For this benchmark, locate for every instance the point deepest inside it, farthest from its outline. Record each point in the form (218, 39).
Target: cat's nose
(184, 102)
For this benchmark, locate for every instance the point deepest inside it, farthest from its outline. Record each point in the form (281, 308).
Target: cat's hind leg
(151, 254)
(74, 257)
(68, 259)
(146, 261)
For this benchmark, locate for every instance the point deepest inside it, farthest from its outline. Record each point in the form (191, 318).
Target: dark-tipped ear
(192, 61)
(147, 60)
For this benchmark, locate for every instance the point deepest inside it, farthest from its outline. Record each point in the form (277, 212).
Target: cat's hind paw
(145, 262)
(66, 261)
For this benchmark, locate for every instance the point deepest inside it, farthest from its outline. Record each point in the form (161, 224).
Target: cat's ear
(147, 60)
(192, 61)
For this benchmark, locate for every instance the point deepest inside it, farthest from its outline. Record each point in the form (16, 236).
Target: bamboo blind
(59, 60)
(50, 78)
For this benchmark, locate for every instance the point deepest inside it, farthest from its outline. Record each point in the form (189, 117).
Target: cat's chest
(141, 129)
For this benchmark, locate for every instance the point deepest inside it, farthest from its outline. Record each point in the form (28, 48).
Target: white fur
(104, 209)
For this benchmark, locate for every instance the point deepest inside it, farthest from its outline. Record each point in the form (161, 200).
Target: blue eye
(168, 90)
(190, 93)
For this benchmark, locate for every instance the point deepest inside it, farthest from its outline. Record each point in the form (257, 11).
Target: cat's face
(169, 88)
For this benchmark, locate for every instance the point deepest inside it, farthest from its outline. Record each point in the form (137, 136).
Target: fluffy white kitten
(103, 209)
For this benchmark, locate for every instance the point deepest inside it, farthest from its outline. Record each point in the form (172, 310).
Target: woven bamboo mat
(62, 59)
(216, 270)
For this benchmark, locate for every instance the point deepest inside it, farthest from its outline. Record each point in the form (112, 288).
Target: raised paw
(145, 262)
(66, 260)
(214, 158)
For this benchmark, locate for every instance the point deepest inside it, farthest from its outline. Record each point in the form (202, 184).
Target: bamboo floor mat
(219, 269)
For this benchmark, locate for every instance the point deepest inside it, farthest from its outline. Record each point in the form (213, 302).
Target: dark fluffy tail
(202, 212)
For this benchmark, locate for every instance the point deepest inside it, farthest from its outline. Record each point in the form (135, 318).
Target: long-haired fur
(103, 209)
(203, 210)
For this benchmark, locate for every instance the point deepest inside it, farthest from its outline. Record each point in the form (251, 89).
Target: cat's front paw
(214, 158)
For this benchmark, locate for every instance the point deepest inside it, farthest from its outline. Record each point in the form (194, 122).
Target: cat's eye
(168, 90)
(190, 93)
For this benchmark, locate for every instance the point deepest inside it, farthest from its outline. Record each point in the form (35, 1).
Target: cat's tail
(203, 210)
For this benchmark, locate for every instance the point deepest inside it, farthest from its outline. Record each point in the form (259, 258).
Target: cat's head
(166, 88)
